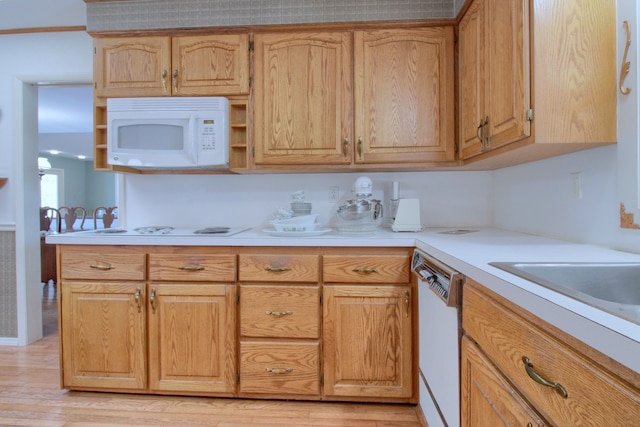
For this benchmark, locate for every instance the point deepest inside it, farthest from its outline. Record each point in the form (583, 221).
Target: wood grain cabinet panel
(192, 266)
(103, 335)
(404, 96)
(488, 398)
(303, 98)
(527, 91)
(280, 368)
(192, 339)
(281, 267)
(280, 311)
(383, 268)
(367, 337)
(102, 263)
(595, 395)
(171, 66)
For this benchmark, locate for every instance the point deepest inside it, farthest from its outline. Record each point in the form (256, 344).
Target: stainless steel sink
(612, 287)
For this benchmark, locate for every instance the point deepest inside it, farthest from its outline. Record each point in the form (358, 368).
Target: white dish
(297, 233)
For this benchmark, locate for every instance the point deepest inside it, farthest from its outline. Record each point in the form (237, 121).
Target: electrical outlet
(334, 193)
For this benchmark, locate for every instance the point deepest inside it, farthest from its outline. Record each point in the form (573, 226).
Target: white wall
(538, 198)
(27, 59)
(448, 199)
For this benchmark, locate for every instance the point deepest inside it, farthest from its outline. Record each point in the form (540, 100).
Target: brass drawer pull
(277, 269)
(365, 270)
(105, 266)
(279, 370)
(279, 313)
(528, 366)
(191, 267)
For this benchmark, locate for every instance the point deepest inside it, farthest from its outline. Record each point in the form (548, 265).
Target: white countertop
(468, 253)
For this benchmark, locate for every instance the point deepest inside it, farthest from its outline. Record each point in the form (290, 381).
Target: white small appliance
(168, 132)
(407, 216)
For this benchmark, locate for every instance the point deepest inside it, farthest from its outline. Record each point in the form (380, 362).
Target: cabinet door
(487, 398)
(210, 65)
(367, 341)
(471, 92)
(192, 338)
(404, 95)
(507, 75)
(103, 335)
(303, 98)
(132, 66)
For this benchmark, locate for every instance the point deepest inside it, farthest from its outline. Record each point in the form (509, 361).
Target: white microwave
(168, 133)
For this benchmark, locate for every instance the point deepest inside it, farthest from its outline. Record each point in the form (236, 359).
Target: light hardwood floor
(30, 396)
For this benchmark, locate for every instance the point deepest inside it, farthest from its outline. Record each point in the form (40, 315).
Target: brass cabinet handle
(528, 366)
(277, 269)
(105, 266)
(482, 133)
(360, 147)
(345, 146)
(624, 69)
(152, 300)
(279, 370)
(137, 298)
(406, 303)
(279, 313)
(175, 81)
(191, 267)
(365, 270)
(479, 132)
(164, 81)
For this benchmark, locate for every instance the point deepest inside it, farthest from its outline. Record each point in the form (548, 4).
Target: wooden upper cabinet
(211, 65)
(404, 95)
(165, 66)
(303, 98)
(536, 79)
(494, 76)
(132, 66)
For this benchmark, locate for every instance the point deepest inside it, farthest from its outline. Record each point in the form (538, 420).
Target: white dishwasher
(439, 298)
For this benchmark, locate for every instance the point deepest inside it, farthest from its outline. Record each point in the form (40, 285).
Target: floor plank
(30, 395)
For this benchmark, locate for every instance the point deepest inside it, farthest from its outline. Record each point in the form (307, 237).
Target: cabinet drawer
(366, 268)
(282, 367)
(125, 264)
(192, 267)
(593, 393)
(280, 311)
(278, 268)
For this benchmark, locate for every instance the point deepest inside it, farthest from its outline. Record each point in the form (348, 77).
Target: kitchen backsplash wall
(538, 198)
(154, 14)
(447, 199)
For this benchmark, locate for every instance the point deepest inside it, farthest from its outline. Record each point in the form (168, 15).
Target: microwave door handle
(193, 143)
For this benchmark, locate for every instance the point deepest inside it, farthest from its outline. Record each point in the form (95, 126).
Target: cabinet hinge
(237, 377)
(253, 152)
(321, 298)
(250, 81)
(251, 46)
(530, 114)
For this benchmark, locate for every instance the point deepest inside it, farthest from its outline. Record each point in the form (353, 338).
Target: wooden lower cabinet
(192, 338)
(103, 335)
(507, 354)
(275, 323)
(369, 326)
(368, 341)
